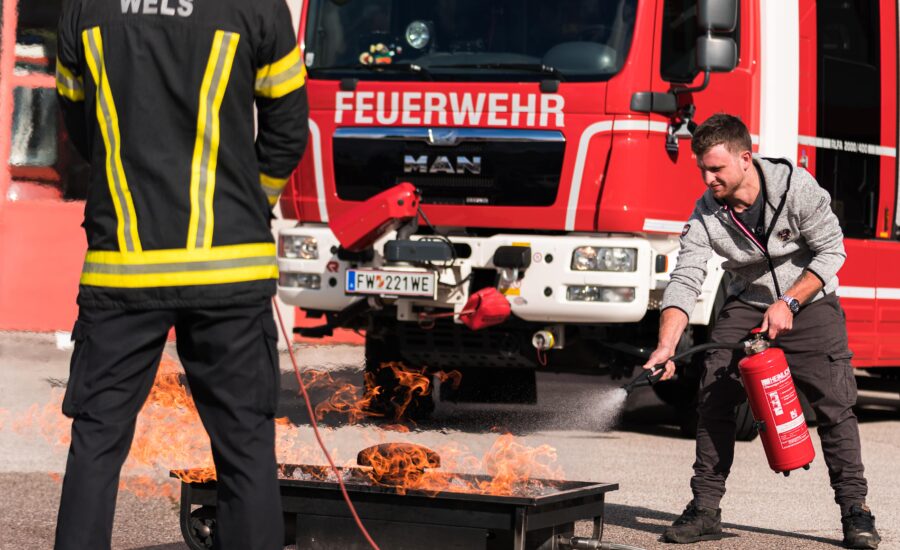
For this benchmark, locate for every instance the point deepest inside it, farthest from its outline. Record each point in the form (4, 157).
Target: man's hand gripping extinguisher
(772, 396)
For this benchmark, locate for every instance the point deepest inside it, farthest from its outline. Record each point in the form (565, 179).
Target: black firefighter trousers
(230, 358)
(819, 358)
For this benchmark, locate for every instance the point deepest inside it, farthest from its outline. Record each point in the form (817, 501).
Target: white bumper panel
(539, 295)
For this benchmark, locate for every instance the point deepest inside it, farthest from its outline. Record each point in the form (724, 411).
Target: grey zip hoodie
(805, 235)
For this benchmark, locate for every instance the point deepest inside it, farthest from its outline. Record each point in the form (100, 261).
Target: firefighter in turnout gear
(159, 97)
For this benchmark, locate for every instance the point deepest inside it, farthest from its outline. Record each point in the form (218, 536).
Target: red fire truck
(564, 128)
(560, 128)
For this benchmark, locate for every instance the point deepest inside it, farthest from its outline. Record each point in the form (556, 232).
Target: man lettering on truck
(783, 245)
(160, 101)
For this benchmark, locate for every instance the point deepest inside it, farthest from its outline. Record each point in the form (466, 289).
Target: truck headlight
(594, 293)
(300, 280)
(590, 258)
(298, 247)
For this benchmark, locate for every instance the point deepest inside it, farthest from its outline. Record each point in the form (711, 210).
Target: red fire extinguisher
(772, 397)
(776, 406)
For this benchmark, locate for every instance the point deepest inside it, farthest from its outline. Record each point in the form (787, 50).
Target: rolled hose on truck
(771, 393)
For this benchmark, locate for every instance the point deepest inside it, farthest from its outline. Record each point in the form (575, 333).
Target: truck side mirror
(717, 15)
(716, 54)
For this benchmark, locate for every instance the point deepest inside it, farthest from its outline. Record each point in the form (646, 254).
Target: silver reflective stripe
(71, 84)
(847, 146)
(114, 269)
(208, 134)
(112, 134)
(272, 81)
(272, 191)
(451, 136)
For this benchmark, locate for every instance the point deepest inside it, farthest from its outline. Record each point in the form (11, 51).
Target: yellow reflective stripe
(272, 186)
(282, 77)
(181, 255)
(180, 267)
(108, 120)
(206, 144)
(184, 278)
(67, 84)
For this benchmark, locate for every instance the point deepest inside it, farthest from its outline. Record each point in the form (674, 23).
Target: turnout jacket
(801, 233)
(159, 95)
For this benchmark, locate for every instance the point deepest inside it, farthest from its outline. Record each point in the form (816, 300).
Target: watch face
(792, 303)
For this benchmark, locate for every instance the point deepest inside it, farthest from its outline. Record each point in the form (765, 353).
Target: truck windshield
(506, 40)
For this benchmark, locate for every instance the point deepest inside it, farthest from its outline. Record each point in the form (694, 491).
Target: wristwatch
(792, 303)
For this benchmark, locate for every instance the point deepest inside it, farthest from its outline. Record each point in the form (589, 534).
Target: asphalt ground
(641, 450)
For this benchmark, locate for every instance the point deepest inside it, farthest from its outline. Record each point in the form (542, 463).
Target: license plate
(391, 283)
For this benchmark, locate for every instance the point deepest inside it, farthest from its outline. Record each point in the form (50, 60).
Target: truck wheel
(746, 425)
(682, 393)
(493, 385)
(382, 351)
(199, 527)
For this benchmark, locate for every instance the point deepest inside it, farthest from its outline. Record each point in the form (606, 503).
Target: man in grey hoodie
(783, 246)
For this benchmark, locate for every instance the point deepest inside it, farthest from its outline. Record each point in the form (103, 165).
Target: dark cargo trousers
(230, 358)
(819, 358)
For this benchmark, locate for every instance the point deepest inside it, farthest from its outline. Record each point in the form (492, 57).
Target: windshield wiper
(411, 68)
(533, 67)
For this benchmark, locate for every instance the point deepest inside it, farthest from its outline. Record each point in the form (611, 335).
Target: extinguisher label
(787, 413)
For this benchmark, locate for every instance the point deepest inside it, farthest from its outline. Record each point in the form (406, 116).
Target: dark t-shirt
(753, 218)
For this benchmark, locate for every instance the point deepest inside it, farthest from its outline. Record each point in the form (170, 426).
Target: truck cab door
(848, 142)
(675, 69)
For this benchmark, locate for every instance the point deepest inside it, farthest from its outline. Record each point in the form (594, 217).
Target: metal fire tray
(539, 516)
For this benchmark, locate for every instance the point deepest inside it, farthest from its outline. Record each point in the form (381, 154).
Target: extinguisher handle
(647, 377)
(656, 373)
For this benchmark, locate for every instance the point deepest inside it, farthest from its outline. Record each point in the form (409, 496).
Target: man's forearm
(672, 323)
(805, 288)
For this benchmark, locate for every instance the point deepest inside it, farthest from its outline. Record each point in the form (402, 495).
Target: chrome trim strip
(450, 136)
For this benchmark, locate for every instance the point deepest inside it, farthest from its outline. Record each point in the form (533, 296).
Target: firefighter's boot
(859, 528)
(696, 523)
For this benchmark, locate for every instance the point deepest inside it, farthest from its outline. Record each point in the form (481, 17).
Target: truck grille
(451, 166)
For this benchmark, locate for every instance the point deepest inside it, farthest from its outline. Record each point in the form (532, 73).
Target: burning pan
(539, 516)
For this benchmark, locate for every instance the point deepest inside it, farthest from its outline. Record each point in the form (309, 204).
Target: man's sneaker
(859, 528)
(695, 524)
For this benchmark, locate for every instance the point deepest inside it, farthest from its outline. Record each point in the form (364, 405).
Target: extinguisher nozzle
(647, 378)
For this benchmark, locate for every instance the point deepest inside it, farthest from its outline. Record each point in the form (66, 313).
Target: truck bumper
(541, 292)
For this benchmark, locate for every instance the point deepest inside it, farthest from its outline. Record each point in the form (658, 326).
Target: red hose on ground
(312, 419)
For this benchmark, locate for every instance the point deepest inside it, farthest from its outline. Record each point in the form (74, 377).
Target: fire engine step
(539, 517)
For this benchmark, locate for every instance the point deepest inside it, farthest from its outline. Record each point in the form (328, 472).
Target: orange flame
(370, 401)
(512, 467)
(169, 436)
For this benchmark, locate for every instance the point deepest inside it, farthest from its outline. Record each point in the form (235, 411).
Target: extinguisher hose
(703, 347)
(312, 419)
(651, 376)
